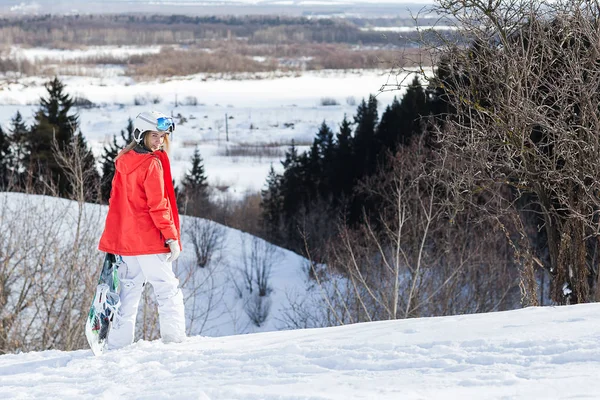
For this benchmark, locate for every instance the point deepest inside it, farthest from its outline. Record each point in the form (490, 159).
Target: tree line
(52, 30)
(319, 185)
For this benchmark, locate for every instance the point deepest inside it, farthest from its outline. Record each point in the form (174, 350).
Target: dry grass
(223, 57)
(171, 62)
(254, 150)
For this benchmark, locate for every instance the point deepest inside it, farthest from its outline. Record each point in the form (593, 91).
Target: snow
(409, 28)
(216, 295)
(534, 353)
(37, 54)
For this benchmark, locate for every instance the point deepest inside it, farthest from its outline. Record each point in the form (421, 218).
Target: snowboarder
(142, 226)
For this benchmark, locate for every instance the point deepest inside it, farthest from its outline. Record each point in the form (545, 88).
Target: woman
(142, 226)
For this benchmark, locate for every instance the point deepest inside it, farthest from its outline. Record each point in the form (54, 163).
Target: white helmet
(151, 121)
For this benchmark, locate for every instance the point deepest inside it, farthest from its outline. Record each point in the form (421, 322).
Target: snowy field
(220, 113)
(535, 353)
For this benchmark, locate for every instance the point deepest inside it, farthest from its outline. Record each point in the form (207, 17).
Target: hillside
(535, 353)
(47, 281)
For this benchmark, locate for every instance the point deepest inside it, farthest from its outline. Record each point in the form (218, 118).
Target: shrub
(329, 101)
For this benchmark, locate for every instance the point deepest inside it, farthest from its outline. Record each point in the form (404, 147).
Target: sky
(219, 2)
(534, 353)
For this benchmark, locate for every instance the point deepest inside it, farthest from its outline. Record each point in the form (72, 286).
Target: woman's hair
(165, 146)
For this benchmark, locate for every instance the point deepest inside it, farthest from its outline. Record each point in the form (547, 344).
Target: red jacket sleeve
(157, 201)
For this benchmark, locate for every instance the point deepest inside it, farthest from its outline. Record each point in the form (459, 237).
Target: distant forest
(56, 31)
(191, 45)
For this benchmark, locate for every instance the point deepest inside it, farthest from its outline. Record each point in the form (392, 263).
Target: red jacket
(142, 213)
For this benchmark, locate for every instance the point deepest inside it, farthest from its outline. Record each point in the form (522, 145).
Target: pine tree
(53, 120)
(291, 156)
(325, 143)
(127, 134)
(402, 120)
(343, 168)
(6, 159)
(293, 193)
(19, 136)
(194, 192)
(390, 130)
(312, 172)
(291, 182)
(413, 108)
(364, 137)
(272, 205)
(108, 157)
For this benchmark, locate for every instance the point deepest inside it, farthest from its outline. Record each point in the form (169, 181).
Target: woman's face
(156, 139)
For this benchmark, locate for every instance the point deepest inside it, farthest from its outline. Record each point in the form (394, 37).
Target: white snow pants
(134, 274)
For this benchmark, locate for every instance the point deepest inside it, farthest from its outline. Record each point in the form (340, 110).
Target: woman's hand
(174, 247)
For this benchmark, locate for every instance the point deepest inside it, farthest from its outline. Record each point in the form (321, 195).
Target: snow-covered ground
(249, 110)
(219, 299)
(38, 54)
(409, 28)
(535, 353)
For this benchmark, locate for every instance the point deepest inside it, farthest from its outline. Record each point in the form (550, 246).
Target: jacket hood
(131, 160)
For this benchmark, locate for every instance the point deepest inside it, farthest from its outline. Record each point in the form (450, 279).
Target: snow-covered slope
(535, 353)
(220, 294)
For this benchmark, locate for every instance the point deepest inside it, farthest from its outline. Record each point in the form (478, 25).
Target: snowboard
(105, 304)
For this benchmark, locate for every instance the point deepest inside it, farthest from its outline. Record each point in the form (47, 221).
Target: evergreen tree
(326, 149)
(108, 157)
(272, 205)
(194, 198)
(343, 168)
(5, 159)
(109, 153)
(291, 181)
(325, 143)
(291, 156)
(364, 137)
(402, 120)
(312, 172)
(413, 108)
(292, 193)
(19, 136)
(127, 134)
(54, 120)
(390, 129)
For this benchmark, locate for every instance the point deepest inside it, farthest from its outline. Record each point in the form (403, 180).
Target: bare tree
(202, 292)
(521, 86)
(418, 256)
(256, 275)
(207, 239)
(66, 289)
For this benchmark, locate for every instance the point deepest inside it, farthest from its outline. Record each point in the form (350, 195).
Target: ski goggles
(163, 124)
